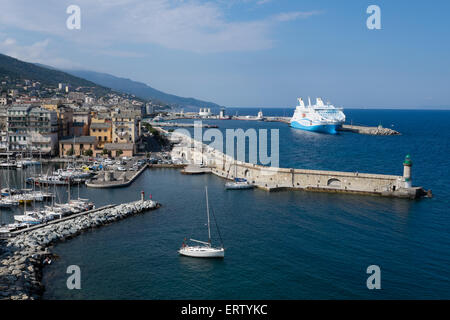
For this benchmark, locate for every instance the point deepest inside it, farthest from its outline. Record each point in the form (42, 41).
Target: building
(78, 129)
(83, 116)
(64, 115)
(77, 146)
(121, 149)
(4, 101)
(3, 118)
(205, 112)
(125, 127)
(32, 129)
(102, 131)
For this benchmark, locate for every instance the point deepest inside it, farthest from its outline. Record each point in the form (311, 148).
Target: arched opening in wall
(247, 173)
(334, 183)
(183, 156)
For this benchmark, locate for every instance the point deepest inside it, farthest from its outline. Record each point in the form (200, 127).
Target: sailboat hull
(202, 252)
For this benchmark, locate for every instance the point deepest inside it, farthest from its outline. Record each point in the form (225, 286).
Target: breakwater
(274, 178)
(23, 255)
(375, 131)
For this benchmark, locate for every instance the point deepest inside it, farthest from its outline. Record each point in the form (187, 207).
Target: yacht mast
(207, 212)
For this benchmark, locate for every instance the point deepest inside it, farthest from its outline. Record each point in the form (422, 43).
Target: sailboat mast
(207, 213)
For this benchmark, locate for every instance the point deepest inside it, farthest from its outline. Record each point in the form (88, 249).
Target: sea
(279, 245)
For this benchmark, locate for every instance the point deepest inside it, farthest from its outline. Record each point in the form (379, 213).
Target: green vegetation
(88, 153)
(16, 70)
(70, 152)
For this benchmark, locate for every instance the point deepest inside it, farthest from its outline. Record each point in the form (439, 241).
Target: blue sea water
(280, 245)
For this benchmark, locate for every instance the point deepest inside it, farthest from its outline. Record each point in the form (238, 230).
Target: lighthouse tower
(407, 164)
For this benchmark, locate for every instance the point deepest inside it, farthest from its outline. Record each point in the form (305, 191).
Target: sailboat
(238, 183)
(204, 249)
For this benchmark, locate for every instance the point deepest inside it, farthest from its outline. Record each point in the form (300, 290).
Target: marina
(25, 252)
(161, 178)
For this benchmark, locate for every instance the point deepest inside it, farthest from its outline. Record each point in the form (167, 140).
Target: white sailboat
(204, 249)
(238, 183)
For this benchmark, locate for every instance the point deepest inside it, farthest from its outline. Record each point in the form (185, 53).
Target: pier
(273, 178)
(115, 179)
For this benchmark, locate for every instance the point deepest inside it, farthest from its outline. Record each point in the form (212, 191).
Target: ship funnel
(300, 102)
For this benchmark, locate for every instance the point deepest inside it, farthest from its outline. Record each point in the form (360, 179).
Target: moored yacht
(204, 249)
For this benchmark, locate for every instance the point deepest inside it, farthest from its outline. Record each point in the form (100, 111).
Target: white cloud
(189, 25)
(38, 52)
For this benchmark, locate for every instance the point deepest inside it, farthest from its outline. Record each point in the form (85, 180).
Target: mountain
(19, 70)
(138, 89)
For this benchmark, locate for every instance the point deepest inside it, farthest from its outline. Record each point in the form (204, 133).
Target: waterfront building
(121, 149)
(64, 114)
(205, 112)
(125, 127)
(77, 146)
(84, 117)
(102, 131)
(32, 129)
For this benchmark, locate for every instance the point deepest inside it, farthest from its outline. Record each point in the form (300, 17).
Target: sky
(248, 53)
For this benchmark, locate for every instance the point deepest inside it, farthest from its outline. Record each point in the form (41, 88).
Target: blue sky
(253, 53)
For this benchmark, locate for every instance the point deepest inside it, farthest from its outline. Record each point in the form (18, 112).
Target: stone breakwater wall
(23, 256)
(376, 131)
(273, 178)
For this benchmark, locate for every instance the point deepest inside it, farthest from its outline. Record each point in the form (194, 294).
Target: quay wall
(272, 178)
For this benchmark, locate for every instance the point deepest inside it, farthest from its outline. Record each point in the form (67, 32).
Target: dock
(115, 179)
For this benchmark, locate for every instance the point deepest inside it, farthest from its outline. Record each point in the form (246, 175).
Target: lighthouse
(407, 164)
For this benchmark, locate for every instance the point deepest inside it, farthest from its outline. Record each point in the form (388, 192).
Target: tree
(88, 152)
(119, 152)
(105, 152)
(70, 152)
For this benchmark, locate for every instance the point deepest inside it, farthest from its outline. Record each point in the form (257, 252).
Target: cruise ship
(320, 117)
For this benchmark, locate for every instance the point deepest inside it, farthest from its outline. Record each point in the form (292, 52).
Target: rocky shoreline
(22, 257)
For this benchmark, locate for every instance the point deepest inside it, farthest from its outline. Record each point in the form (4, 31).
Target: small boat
(30, 217)
(8, 203)
(238, 184)
(205, 249)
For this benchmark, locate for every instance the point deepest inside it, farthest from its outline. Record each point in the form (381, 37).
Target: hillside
(19, 70)
(139, 89)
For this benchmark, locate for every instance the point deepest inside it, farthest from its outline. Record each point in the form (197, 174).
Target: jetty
(376, 131)
(273, 178)
(115, 178)
(24, 253)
